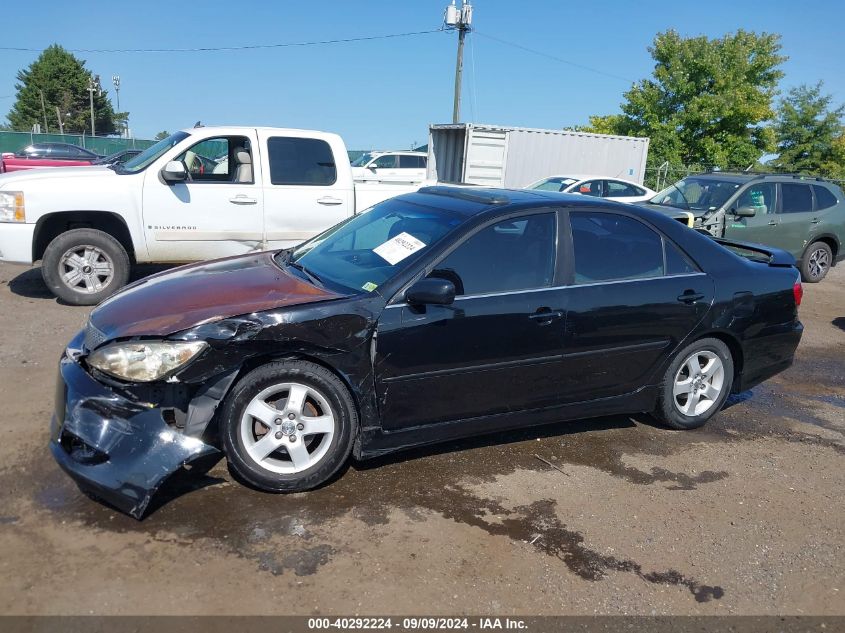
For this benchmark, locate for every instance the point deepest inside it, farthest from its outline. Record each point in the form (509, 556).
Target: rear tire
(288, 426)
(84, 266)
(816, 262)
(696, 384)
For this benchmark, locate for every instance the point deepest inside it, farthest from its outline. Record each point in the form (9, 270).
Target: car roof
(470, 200)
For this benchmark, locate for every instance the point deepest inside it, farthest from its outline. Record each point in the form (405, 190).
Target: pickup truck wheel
(84, 266)
(288, 426)
(816, 262)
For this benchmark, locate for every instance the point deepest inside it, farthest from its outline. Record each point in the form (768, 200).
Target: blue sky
(384, 93)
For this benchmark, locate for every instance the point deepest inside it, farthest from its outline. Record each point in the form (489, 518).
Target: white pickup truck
(198, 194)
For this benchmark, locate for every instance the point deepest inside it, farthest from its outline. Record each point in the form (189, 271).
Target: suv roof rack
(763, 174)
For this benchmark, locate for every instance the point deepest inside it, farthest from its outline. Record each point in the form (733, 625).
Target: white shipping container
(513, 157)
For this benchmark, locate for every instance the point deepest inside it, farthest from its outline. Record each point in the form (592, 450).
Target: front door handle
(328, 200)
(545, 315)
(690, 296)
(243, 199)
(815, 221)
(773, 222)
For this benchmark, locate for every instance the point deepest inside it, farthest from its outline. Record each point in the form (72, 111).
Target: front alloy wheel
(288, 426)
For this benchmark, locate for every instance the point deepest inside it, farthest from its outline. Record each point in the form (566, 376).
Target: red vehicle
(46, 155)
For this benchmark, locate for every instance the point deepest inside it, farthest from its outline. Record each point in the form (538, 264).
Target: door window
(589, 188)
(301, 161)
(219, 159)
(760, 197)
(612, 247)
(389, 161)
(796, 198)
(412, 162)
(616, 189)
(824, 198)
(510, 255)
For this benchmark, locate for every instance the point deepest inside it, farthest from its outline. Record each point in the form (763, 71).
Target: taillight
(798, 292)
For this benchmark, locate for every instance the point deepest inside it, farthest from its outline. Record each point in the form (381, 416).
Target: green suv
(802, 215)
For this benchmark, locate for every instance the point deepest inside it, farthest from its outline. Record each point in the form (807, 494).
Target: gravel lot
(745, 516)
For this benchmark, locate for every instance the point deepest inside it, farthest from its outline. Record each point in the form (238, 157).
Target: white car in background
(616, 189)
(390, 166)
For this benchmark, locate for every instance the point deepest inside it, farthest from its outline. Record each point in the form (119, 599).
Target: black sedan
(117, 158)
(435, 315)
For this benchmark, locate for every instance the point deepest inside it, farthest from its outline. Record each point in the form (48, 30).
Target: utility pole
(44, 111)
(93, 86)
(460, 19)
(115, 79)
(59, 117)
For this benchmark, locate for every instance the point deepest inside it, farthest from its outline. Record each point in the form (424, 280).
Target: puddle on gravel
(249, 523)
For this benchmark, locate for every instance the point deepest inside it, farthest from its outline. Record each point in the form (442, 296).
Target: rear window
(824, 198)
(300, 161)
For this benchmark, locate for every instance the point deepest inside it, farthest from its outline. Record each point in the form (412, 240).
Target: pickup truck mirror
(745, 212)
(372, 166)
(174, 171)
(431, 291)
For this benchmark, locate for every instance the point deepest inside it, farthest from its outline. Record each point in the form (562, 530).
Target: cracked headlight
(144, 361)
(11, 206)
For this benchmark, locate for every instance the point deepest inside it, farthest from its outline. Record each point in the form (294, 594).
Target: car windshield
(363, 252)
(696, 194)
(363, 159)
(151, 154)
(556, 183)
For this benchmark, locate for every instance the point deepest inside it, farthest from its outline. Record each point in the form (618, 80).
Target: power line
(206, 49)
(553, 57)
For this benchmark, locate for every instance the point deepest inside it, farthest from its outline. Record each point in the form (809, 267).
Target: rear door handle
(690, 296)
(545, 315)
(328, 200)
(243, 199)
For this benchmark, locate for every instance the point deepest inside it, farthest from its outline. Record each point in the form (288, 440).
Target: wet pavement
(613, 515)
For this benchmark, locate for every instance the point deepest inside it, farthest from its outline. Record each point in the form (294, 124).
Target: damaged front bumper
(115, 448)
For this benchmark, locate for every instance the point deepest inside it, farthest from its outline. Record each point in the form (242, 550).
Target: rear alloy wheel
(84, 266)
(816, 262)
(696, 384)
(288, 426)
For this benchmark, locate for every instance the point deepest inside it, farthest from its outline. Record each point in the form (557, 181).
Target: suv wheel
(816, 262)
(84, 266)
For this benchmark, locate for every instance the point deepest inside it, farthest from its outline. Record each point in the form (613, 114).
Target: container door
(486, 154)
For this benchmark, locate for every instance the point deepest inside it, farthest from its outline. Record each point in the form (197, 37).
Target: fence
(14, 141)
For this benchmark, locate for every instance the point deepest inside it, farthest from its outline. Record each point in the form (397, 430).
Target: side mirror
(174, 171)
(431, 291)
(372, 166)
(745, 212)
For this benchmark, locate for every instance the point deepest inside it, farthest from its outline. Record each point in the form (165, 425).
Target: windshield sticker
(369, 286)
(398, 248)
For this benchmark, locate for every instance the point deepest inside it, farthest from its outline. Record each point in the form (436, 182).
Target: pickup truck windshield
(363, 252)
(362, 160)
(151, 154)
(696, 194)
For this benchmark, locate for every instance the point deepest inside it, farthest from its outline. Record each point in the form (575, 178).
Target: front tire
(816, 262)
(288, 426)
(696, 384)
(84, 266)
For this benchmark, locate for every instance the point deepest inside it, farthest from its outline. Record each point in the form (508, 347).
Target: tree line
(710, 103)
